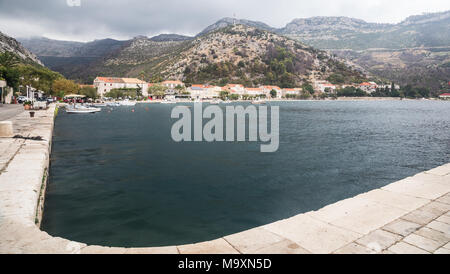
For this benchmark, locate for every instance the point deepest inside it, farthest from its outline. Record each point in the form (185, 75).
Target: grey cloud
(124, 19)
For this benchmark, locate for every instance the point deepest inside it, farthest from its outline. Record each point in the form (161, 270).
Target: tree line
(18, 74)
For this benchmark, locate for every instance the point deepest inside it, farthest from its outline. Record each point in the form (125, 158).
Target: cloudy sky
(85, 20)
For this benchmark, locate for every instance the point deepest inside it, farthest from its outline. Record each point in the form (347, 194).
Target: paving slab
(393, 199)
(442, 251)
(313, 235)
(444, 219)
(441, 170)
(355, 248)
(93, 249)
(153, 250)
(219, 246)
(444, 199)
(402, 227)
(379, 238)
(252, 240)
(283, 247)
(405, 248)
(435, 235)
(419, 188)
(436, 208)
(420, 217)
(422, 242)
(442, 227)
(369, 218)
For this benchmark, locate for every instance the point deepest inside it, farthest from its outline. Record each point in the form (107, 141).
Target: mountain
(415, 51)
(249, 56)
(428, 30)
(237, 53)
(10, 44)
(227, 21)
(72, 59)
(170, 37)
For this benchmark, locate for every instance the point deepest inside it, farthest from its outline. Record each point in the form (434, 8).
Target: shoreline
(339, 99)
(397, 212)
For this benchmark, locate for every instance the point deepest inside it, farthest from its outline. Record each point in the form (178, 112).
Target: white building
(106, 84)
(172, 84)
(255, 92)
(291, 92)
(235, 89)
(268, 89)
(202, 92)
(4, 89)
(324, 87)
(368, 87)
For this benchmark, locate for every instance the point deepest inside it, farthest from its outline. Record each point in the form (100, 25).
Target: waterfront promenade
(408, 216)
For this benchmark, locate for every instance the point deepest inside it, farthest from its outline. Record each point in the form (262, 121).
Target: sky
(87, 20)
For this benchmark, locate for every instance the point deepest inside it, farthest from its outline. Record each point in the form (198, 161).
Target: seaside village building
(106, 84)
(368, 87)
(235, 89)
(291, 92)
(5, 92)
(197, 92)
(254, 92)
(268, 89)
(200, 92)
(172, 84)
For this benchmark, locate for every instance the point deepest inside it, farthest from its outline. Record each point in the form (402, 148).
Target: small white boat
(128, 103)
(168, 102)
(258, 102)
(82, 109)
(113, 104)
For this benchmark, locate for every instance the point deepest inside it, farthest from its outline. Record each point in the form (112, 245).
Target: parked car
(22, 99)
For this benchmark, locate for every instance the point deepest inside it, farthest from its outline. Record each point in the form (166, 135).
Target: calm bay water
(117, 178)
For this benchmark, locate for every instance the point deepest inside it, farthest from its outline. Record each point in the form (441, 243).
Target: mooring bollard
(6, 129)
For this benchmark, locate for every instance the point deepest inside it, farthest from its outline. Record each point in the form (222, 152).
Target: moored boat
(82, 109)
(127, 102)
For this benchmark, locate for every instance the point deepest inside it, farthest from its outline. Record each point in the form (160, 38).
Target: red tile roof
(110, 79)
(172, 82)
(271, 87)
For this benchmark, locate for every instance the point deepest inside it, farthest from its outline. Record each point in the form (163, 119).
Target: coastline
(343, 99)
(389, 216)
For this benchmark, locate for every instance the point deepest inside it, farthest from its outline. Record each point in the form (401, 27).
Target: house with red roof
(235, 89)
(445, 96)
(172, 84)
(368, 87)
(201, 92)
(326, 87)
(268, 89)
(291, 91)
(106, 84)
(254, 91)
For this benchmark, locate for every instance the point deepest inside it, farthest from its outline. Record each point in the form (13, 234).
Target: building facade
(106, 84)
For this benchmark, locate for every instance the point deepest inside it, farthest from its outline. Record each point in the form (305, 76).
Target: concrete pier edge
(407, 216)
